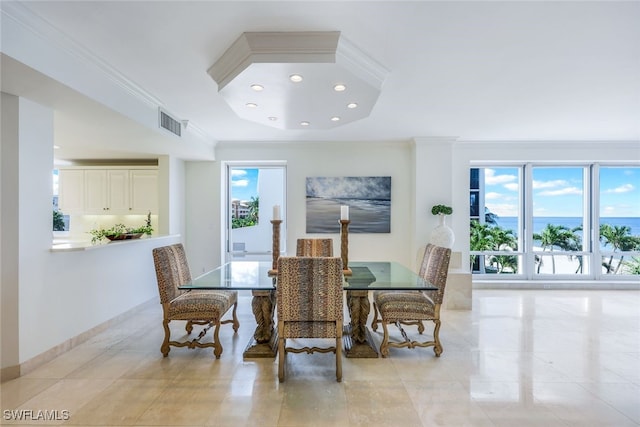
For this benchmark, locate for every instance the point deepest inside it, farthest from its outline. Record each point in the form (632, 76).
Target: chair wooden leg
(437, 348)
(339, 351)
(281, 352)
(236, 324)
(375, 321)
(217, 347)
(164, 348)
(384, 345)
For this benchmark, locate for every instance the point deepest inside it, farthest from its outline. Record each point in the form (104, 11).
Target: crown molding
(49, 34)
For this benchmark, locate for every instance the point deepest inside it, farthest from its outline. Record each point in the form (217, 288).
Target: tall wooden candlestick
(344, 246)
(275, 249)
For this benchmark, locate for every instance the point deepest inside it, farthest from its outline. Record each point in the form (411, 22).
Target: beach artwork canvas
(368, 198)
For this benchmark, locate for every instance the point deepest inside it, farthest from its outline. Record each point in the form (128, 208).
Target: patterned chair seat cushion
(404, 305)
(202, 305)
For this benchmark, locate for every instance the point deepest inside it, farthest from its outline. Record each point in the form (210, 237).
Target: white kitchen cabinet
(71, 191)
(144, 191)
(108, 191)
(118, 191)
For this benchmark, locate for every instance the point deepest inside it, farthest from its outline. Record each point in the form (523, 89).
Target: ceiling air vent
(169, 123)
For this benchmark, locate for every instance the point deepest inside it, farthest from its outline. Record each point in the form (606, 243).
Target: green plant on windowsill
(120, 232)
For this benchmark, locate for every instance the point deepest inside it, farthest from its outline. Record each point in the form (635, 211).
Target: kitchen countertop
(66, 245)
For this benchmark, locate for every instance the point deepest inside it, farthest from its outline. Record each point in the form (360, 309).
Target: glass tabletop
(254, 275)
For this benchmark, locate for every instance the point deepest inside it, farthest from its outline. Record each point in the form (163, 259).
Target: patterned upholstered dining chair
(310, 305)
(414, 307)
(196, 307)
(314, 247)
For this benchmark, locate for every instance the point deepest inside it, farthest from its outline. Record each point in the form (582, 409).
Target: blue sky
(244, 183)
(559, 191)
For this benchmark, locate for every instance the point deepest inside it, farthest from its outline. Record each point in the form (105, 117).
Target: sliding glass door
(253, 189)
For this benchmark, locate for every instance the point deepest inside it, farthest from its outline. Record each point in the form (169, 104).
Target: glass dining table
(255, 276)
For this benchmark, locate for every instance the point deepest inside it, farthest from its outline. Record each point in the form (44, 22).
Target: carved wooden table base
(265, 337)
(357, 338)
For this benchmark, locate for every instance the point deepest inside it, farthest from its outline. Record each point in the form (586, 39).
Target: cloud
(238, 172)
(624, 188)
(561, 192)
(490, 178)
(549, 184)
(493, 196)
(240, 182)
(503, 209)
(512, 186)
(373, 187)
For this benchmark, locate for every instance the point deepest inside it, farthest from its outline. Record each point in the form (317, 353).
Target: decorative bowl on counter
(124, 236)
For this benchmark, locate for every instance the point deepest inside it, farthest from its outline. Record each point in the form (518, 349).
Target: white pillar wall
(9, 259)
(433, 159)
(27, 161)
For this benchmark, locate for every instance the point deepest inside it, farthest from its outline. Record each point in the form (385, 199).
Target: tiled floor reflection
(520, 358)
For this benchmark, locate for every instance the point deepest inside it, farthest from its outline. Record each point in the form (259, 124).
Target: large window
(560, 215)
(496, 220)
(555, 221)
(619, 220)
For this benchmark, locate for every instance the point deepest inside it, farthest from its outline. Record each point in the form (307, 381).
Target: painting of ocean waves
(368, 198)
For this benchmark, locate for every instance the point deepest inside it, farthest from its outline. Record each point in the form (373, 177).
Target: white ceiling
(473, 70)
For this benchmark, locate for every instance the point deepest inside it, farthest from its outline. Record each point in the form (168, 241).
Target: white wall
(9, 236)
(304, 160)
(425, 172)
(202, 215)
(49, 298)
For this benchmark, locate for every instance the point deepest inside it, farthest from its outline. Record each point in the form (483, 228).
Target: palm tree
(480, 239)
(254, 209)
(504, 240)
(552, 236)
(490, 217)
(574, 244)
(619, 237)
(633, 266)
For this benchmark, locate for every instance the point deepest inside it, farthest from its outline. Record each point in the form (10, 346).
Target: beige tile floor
(520, 358)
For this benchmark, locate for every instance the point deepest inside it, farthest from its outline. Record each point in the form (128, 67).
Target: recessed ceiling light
(352, 105)
(304, 123)
(251, 105)
(257, 88)
(56, 147)
(335, 119)
(273, 119)
(339, 87)
(296, 78)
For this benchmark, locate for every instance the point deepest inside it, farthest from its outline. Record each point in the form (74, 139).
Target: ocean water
(367, 216)
(539, 223)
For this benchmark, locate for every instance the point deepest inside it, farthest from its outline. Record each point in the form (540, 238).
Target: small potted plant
(442, 235)
(441, 210)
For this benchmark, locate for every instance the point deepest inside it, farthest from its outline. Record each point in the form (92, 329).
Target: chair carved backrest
(434, 269)
(309, 289)
(314, 247)
(172, 270)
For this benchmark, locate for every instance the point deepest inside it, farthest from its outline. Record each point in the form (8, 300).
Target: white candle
(276, 212)
(344, 213)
